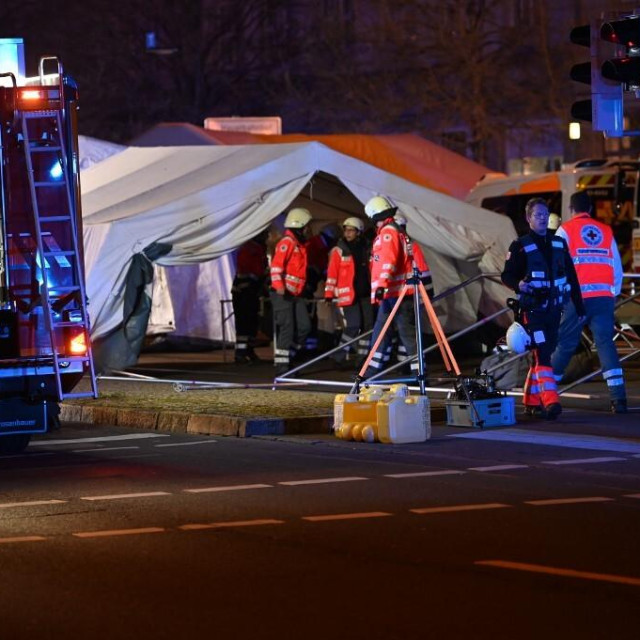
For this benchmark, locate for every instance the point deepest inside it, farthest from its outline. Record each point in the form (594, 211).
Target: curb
(195, 423)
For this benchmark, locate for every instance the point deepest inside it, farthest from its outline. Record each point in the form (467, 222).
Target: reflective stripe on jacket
(594, 254)
(289, 265)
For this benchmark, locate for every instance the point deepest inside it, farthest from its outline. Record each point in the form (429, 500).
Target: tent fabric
(409, 156)
(206, 201)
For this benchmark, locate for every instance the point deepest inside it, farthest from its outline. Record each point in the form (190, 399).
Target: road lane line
(555, 571)
(120, 496)
(29, 455)
(229, 524)
(129, 436)
(570, 440)
(294, 483)
(233, 487)
(117, 532)
(185, 444)
(347, 516)
(95, 449)
(543, 503)
(460, 507)
(32, 503)
(584, 460)
(632, 495)
(21, 539)
(499, 467)
(425, 474)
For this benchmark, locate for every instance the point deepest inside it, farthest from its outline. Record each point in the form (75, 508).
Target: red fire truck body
(44, 326)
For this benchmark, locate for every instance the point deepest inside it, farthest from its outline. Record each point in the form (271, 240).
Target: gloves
(379, 294)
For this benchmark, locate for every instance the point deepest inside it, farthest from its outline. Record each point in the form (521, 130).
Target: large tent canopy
(201, 202)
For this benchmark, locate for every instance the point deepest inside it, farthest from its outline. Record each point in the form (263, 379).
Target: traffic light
(625, 34)
(605, 108)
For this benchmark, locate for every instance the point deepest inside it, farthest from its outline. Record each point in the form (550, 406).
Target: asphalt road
(525, 532)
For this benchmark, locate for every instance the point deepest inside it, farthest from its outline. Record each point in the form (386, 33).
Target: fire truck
(44, 324)
(612, 185)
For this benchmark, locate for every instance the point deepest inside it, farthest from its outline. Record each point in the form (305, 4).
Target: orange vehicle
(612, 185)
(44, 326)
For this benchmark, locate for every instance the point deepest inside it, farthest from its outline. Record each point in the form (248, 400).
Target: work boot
(619, 406)
(553, 411)
(534, 411)
(281, 369)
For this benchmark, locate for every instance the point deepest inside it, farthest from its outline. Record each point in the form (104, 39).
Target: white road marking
(233, 487)
(347, 516)
(542, 503)
(103, 449)
(185, 444)
(33, 503)
(21, 539)
(29, 455)
(555, 571)
(461, 507)
(500, 467)
(117, 532)
(225, 525)
(120, 496)
(585, 460)
(293, 483)
(420, 474)
(572, 441)
(129, 436)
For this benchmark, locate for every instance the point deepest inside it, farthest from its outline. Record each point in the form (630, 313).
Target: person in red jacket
(598, 266)
(348, 285)
(391, 265)
(251, 272)
(288, 279)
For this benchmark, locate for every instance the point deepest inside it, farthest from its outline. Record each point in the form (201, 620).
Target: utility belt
(543, 298)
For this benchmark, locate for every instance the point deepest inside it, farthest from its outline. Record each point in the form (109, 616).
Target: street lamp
(574, 131)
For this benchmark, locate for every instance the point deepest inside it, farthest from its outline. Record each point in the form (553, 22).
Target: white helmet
(354, 222)
(378, 205)
(400, 220)
(517, 338)
(297, 218)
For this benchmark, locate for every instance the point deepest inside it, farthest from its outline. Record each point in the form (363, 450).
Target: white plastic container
(404, 419)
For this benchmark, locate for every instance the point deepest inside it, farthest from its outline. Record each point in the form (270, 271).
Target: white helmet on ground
(354, 222)
(379, 205)
(517, 338)
(297, 218)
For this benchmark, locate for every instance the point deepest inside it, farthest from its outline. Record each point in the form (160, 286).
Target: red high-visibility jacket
(289, 265)
(595, 255)
(251, 264)
(341, 273)
(390, 261)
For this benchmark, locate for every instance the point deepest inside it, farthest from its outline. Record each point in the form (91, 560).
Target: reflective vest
(341, 273)
(590, 245)
(289, 265)
(390, 261)
(551, 289)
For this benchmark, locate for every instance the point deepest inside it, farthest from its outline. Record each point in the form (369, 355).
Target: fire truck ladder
(54, 298)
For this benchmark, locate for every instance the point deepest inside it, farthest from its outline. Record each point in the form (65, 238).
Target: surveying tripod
(443, 344)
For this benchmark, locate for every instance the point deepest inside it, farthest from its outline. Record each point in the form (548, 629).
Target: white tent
(205, 201)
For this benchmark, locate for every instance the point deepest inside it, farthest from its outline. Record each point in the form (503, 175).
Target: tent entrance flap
(121, 348)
